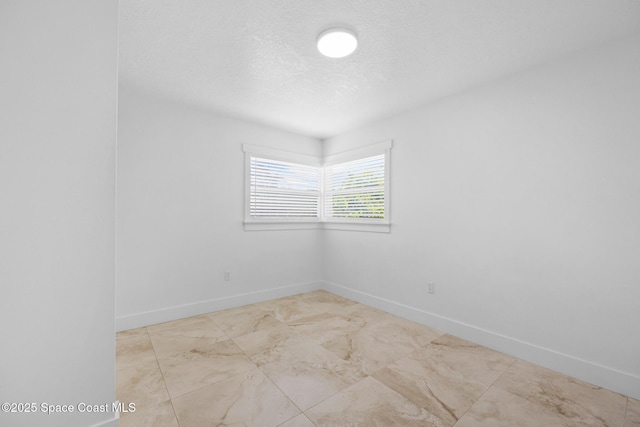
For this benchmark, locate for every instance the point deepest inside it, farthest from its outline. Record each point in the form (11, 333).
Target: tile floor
(319, 359)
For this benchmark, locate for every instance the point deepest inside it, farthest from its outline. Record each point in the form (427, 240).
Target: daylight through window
(340, 191)
(355, 190)
(283, 189)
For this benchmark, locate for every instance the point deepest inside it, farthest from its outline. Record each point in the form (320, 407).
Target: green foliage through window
(356, 189)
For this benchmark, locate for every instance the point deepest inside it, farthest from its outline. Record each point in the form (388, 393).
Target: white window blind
(280, 189)
(355, 190)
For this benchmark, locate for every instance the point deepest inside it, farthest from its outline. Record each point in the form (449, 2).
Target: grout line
(175, 414)
(626, 410)
(164, 381)
(515, 359)
(283, 393)
(212, 384)
(335, 394)
(493, 385)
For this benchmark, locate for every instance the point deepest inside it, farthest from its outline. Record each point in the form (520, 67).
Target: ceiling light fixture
(337, 42)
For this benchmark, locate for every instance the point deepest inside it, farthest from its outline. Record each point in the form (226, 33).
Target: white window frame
(252, 224)
(352, 224)
(367, 224)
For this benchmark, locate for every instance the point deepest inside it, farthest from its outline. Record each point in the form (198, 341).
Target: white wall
(180, 213)
(520, 200)
(57, 221)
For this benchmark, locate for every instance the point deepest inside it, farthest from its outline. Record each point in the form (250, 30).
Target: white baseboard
(167, 314)
(602, 376)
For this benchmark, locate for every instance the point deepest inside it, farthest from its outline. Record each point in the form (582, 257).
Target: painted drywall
(181, 211)
(57, 221)
(520, 201)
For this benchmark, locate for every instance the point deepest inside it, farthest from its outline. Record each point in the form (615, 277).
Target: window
(283, 190)
(348, 191)
(355, 190)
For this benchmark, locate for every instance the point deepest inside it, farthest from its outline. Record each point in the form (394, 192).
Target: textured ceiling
(256, 59)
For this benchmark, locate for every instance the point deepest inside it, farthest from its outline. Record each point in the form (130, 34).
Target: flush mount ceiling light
(337, 42)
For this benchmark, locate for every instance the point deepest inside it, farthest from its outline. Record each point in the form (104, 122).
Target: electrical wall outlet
(227, 276)
(431, 288)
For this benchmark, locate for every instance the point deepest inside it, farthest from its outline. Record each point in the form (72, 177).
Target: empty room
(320, 213)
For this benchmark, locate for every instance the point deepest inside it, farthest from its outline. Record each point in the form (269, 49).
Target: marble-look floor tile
(131, 333)
(446, 376)
(325, 301)
(289, 309)
(381, 342)
(421, 334)
(156, 415)
(262, 364)
(369, 403)
(203, 366)
(141, 384)
(298, 421)
(130, 351)
(249, 399)
(322, 328)
(181, 336)
(569, 398)
(632, 418)
(308, 374)
(241, 322)
(176, 324)
(361, 315)
(264, 346)
(342, 320)
(499, 408)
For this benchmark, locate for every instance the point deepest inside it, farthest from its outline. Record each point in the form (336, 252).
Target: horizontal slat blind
(283, 189)
(355, 189)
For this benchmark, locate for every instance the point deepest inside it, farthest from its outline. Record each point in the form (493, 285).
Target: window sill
(281, 225)
(311, 225)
